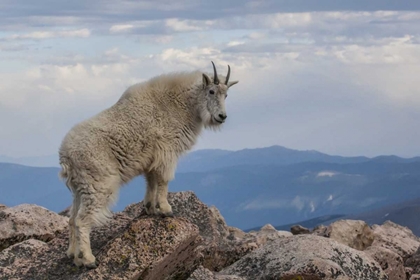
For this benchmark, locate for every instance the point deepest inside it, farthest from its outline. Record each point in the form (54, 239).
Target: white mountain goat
(144, 133)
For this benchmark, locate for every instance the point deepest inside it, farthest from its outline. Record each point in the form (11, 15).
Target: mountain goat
(143, 133)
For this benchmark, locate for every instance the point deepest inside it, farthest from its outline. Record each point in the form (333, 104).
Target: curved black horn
(228, 75)
(215, 78)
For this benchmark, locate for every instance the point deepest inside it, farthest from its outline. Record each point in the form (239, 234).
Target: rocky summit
(197, 244)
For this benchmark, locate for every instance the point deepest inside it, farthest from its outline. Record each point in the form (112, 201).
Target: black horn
(228, 75)
(215, 78)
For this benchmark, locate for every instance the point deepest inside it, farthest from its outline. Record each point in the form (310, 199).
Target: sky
(340, 77)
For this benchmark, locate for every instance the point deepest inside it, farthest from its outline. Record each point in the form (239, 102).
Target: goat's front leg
(162, 204)
(150, 196)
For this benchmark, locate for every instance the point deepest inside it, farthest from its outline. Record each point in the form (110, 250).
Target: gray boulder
(353, 233)
(28, 221)
(306, 256)
(396, 238)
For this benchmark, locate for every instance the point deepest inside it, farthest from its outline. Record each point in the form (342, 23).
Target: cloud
(120, 28)
(183, 25)
(311, 76)
(39, 35)
(326, 174)
(299, 203)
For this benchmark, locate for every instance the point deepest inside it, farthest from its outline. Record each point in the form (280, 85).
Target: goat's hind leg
(72, 226)
(93, 211)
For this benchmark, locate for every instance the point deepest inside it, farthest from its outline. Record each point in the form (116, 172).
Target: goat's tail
(65, 175)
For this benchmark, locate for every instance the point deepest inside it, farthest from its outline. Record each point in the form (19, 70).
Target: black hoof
(164, 215)
(92, 265)
(148, 205)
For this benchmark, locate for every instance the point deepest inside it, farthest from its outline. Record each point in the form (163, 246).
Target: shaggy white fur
(144, 133)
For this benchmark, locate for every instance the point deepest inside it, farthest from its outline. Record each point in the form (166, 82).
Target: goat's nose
(222, 116)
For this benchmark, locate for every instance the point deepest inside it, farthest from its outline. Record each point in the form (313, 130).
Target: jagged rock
(120, 250)
(186, 204)
(51, 262)
(397, 238)
(27, 221)
(202, 273)
(150, 248)
(235, 234)
(298, 229)
(353, 233)
(268, 227)
(408, 272)
(146, 247)
(413, 262)
(266, 234)
(307, 256)
(218, 249)
(415, 277)
(20, 256)
(65, 212)
(2, 206)
(391, 263)
(320, 230)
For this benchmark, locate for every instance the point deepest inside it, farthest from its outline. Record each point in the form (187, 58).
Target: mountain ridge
(250, 191)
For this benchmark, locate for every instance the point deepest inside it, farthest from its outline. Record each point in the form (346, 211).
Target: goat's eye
(211, 91)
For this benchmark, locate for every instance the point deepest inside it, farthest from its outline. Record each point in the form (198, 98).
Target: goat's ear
(232, 83)
(206, 80)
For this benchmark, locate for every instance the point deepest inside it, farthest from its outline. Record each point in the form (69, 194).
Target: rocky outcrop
(141, 248)
(197, 244)
(164, 247)
(18, 259)
(202, 273)
(209, 221)
(266, 234)
(298, 229)
(135, 245)
(2, 206)
(51, 262)
(396, 238)
(290, 257)
(413, 262)
(353, 233)
(391, 263)
(218, 248)
(28, 221)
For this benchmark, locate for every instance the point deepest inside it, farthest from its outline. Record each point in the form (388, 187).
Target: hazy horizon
(233, 150)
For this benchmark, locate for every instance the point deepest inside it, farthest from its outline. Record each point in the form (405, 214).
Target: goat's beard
(209, 121)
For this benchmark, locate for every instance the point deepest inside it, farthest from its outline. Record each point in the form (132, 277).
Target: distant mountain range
(40, 161)
(205, 160)
(252, 187)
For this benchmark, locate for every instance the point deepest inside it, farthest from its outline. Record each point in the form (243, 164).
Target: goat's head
(215, 93)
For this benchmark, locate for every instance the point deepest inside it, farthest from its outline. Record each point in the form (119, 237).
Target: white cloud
(298, 202)
(235, 43)
(266, 203)
(184, 25)
(349, 75)
(326, 174)
(39, 35)
(120, 28)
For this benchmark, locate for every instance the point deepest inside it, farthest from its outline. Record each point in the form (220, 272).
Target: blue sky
(341, 77)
